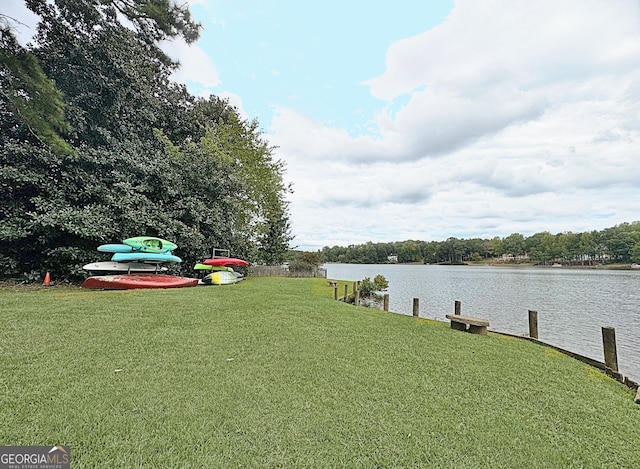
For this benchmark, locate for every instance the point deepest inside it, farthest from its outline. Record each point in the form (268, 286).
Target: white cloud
(492, 65)
(195, 65)
(518, 116)
(235, 101)
(518, 42)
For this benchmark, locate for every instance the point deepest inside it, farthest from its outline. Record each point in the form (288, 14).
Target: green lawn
(275, 373)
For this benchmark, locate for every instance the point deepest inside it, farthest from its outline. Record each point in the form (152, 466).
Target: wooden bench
(476, 325)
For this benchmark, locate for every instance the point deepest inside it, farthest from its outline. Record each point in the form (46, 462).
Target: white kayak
(222, 277)
(110, 266)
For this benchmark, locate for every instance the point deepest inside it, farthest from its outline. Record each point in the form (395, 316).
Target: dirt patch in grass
(19, 285)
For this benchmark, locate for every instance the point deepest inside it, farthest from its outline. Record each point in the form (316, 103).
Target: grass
(274, 373)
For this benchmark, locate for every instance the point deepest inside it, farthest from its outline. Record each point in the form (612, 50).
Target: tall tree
(31, 107)
(153, 20)
(239, 144)
(514, 244)
(149, 158)
(586, 247)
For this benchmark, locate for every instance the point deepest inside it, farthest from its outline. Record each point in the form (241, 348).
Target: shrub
(370, 290)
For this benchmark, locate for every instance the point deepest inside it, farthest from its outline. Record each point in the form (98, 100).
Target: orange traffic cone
(47, 279)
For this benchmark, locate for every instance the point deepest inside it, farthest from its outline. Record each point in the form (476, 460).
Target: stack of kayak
(222, 270)
(136, 263)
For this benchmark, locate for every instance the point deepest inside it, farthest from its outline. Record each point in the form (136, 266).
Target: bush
(369, 290)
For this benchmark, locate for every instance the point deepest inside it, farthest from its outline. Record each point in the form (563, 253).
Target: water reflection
(573, 304)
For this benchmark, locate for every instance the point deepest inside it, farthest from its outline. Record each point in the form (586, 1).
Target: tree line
(617, 244)
(98, 144)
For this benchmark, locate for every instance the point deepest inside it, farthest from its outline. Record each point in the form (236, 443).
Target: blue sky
(429, 119)
(311, 57)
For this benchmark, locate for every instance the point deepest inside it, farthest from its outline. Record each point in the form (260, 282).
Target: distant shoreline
(513, 264)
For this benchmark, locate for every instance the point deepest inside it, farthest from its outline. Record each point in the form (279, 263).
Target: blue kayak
(157, 257)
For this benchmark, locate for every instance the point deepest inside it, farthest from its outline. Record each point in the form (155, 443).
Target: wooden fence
(284, 271)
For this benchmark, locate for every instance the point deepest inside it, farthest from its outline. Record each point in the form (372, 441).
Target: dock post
(346, 292)
(335, 292)
(385, 302)
(457, 306)
(533, 324)
(609, 344)
(416, 307)
(356, 298)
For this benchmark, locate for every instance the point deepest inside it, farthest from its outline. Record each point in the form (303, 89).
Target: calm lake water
(572, 304)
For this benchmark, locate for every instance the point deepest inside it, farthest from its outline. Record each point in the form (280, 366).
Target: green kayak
(150, 244)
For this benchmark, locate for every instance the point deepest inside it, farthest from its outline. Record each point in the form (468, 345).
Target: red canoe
(226, 262)
(133, 281)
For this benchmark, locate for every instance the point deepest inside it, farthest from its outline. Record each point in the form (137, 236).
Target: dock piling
(609, 345)
(533, 324)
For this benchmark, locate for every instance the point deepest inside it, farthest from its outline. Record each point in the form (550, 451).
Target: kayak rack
(217, 253)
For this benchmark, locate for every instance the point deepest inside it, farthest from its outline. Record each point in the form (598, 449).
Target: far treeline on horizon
(619, 244)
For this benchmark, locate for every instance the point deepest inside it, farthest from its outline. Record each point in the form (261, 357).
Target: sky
(430, 119)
